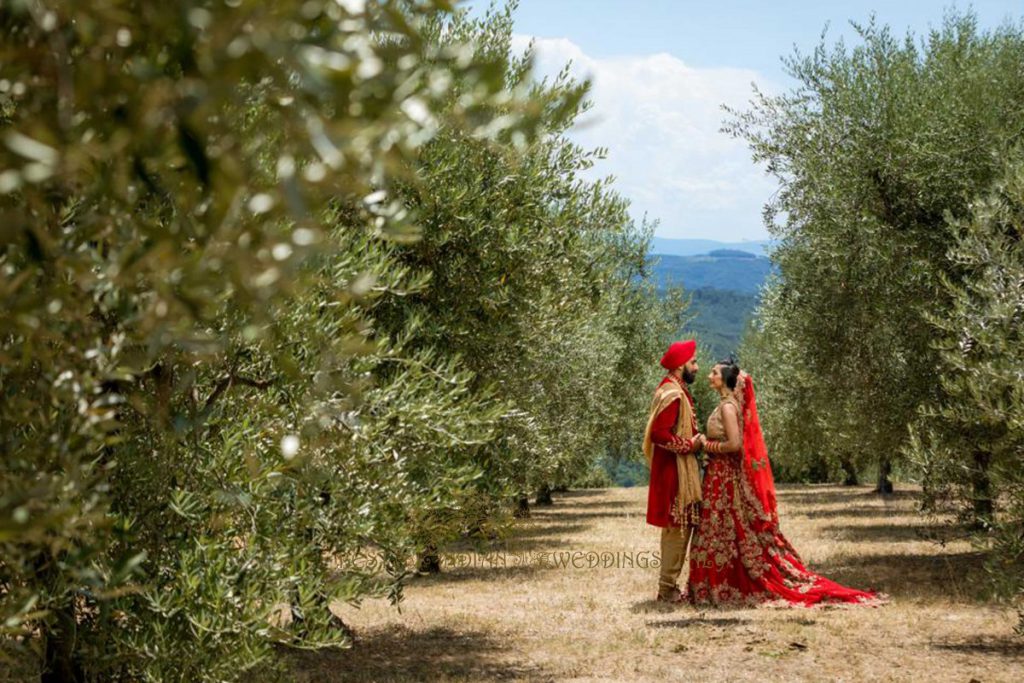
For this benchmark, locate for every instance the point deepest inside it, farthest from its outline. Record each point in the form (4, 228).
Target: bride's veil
(756, 467)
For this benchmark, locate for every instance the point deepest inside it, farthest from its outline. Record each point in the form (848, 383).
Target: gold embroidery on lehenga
(733, 505)
(732, 509)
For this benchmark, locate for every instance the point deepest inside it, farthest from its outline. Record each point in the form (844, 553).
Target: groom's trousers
(673, 554)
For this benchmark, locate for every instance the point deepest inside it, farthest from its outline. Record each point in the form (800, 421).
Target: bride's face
(715, 377)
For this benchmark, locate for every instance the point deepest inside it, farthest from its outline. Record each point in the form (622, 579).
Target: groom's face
(690, 371)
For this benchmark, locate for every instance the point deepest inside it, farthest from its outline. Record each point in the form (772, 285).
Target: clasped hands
(691, 445)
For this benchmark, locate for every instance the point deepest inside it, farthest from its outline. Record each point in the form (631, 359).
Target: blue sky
(662, 68)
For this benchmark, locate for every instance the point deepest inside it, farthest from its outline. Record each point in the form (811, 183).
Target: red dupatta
(756, 467)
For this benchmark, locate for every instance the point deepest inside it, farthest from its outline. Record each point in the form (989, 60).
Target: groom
(670, 441)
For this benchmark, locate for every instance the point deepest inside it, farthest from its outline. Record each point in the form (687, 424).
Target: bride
(739, 556)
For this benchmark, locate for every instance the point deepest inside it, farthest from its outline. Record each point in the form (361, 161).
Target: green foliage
(720, 318)
(876, 149)
(971, 443)
(626, 472)
(792, 424)
(536, 285)
(197, 413)
(901, 298)
(292, 291)
(597, 476)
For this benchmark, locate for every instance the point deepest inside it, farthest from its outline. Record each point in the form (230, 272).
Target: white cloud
(659, 119)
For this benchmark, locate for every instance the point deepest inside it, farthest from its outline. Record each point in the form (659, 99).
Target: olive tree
(876, 149)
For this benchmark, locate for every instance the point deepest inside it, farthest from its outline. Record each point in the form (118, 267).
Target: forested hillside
(720, 318)
(722, 286)
(724, 269)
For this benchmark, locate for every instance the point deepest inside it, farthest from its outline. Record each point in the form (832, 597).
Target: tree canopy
(294, 292)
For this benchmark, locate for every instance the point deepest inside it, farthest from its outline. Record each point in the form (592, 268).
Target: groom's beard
(689, 377)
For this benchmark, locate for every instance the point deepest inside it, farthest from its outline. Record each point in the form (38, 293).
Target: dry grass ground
(532, 621)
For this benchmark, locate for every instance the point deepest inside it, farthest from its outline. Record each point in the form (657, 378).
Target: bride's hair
(730, 371)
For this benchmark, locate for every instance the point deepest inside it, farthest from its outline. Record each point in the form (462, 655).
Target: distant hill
(687, 247)
(731, 253)
(721, 269)
(723, 287)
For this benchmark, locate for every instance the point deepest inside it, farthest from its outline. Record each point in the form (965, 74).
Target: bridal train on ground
(739, 556)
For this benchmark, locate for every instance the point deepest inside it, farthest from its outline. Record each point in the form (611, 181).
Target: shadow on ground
(533, 530)
(562, 503)
(532, 538)
(522, 554)
(1009, 646)
(514, 569)
(851, 511)
(831, 495)
(570, 514)
(404, 654)
(958, 577)
(894, 533)
(577, 494)
(691, 622)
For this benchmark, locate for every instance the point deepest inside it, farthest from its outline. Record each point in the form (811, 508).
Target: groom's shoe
(674, 596)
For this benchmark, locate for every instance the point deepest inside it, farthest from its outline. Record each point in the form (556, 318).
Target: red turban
(678, 354)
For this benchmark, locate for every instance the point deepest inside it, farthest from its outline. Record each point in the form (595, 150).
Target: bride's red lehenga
(739, 556)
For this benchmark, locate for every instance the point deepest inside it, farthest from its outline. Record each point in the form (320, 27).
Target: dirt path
(548, 615)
